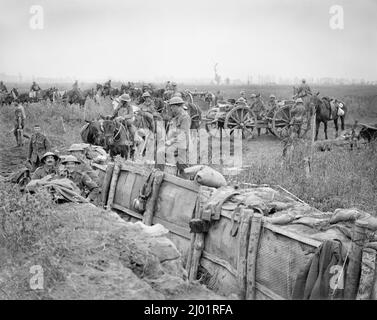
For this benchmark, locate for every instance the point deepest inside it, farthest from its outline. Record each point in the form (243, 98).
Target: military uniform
(3, 88)
(34, 89)
(44, 171)
(298, 113)
(259, 108)
(303, 90)
(83, 182)
(38, 146)
(179, 139)
(125, 111)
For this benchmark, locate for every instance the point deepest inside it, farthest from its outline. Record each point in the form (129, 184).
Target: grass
(339, 178)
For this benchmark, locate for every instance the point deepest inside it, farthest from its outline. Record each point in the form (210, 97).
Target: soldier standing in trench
(178, 138)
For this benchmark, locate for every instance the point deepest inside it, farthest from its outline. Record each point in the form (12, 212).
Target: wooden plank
(292, 235)
(134, 168)
(113, 184)
(221, 262)
(183, 232)
(256, 225)
(106, 184)
(267, 292)
(187, 184)
(152, 200)
(127, 211)
(129, 184)
(243, 242)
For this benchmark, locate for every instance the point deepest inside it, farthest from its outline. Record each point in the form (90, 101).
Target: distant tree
(227, 81)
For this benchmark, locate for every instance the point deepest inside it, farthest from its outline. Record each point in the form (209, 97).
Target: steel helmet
(272, 96)
(299, 100)
(241, 100)
(146, 94)
(242, 92)
(125, 97)
(70, 158)
(173, 84)
(176, 100)
(253, 95)
(49, 154)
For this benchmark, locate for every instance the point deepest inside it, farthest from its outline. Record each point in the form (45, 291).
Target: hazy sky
(144, 39)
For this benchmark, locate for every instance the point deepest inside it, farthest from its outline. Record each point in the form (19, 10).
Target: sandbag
(347, 215)
(206, 176)
(210, 178)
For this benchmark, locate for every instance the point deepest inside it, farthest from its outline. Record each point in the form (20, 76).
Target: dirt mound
(94, 254)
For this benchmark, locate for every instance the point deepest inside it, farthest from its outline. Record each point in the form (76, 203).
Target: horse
(117, 138)
(324, 112)
(92, 133)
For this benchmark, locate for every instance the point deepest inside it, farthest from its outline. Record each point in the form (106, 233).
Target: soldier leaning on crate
(81, 179)
(38, 146)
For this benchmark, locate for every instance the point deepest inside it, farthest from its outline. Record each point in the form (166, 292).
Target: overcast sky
(145, 39)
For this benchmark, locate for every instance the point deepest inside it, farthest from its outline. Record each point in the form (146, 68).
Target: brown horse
(325, 113)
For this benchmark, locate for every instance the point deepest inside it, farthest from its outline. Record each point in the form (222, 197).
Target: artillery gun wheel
(242, 118)
(281, 127)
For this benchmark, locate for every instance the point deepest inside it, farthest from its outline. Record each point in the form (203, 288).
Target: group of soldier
(47, 165)
(177, 141)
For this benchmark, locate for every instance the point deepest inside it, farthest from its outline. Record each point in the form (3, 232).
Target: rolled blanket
(64, 188)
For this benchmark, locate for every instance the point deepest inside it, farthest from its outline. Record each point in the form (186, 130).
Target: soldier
(241, 102)
(34, 90)
(178, 139)
(3, 88)
(218, 97)
(148, 110)
(75, 90)
(298, 113)
(38, 146)
(168, 86)
(107, 86)
(124, 113)
(49, 168)
(80, 152)
(19, 111)
(303, 89)
(88, 187)
(272, 103)
(259, 109)
(243, 95)
(75, 86)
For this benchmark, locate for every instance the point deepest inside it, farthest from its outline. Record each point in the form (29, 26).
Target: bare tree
(217, 76)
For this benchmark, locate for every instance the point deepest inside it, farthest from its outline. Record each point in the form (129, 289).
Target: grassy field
(340, 178)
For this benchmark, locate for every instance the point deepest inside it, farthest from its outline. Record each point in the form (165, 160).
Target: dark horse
(324, 113)
(117, 139)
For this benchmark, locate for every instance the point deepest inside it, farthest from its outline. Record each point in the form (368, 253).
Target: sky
(183, 39)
